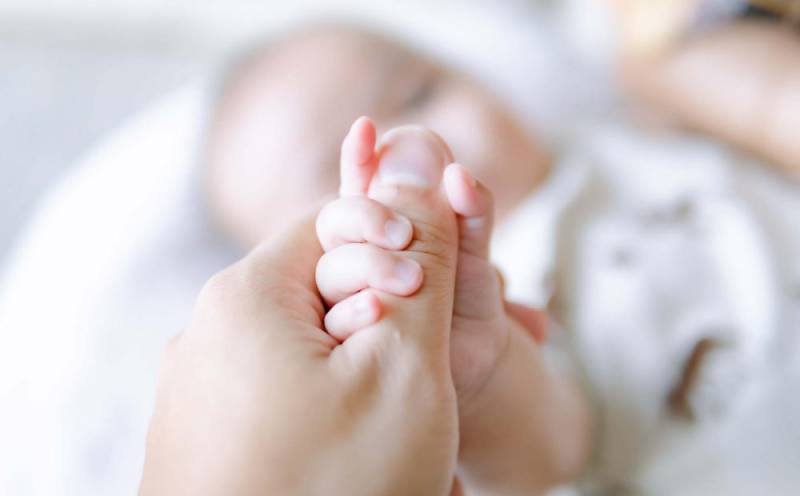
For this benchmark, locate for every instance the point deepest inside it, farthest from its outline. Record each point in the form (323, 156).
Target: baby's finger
(358, 162)
(352, 314)
(357, 219)
(475, 206)
(350, 268)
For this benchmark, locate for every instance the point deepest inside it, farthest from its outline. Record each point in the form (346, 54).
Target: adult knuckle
(431, 233)
(224, 288)
(217, 286)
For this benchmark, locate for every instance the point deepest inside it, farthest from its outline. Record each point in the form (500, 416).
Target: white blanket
(105, 273)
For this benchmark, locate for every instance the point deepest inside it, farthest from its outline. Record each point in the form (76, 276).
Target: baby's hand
(521, 430)
(481, 316)
(361, 236)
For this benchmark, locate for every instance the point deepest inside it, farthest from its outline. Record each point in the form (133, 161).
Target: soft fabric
(105, 274)
(643, 244)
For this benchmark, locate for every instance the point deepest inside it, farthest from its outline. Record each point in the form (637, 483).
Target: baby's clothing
(643, 245)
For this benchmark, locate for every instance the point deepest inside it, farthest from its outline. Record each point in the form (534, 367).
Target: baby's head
(275, 134)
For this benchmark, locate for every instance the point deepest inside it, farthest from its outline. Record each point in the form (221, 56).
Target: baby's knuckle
(376, 213)
(328, 261)
(374, 257)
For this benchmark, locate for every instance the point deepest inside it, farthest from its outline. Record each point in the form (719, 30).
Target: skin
(256, 398)
(307, 79)
(522, 430)
(312, 84)
(693, 84)
(646, 26)
(315, 83)
(307, 402)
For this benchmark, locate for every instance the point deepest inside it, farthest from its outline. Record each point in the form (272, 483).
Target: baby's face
(275, 141)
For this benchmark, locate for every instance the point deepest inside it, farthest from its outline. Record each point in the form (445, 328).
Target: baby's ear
(358, 163)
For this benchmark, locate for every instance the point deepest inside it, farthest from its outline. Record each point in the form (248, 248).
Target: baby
(273, 149)
(275, 135)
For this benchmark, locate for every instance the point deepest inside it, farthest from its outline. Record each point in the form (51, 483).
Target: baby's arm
(527, 430)
(523, 428)
(740, 83)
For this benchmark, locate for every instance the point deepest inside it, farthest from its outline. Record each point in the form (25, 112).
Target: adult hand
(255, 398)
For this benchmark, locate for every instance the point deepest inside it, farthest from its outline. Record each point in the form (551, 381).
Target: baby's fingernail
(363, 307)
(398, 231)
(465, 174)
(411, 158)
(407, 271)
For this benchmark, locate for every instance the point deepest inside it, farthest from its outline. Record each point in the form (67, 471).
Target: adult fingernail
(398, 231)
(413, 158)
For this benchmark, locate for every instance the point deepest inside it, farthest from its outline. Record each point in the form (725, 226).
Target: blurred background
(73, 70)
